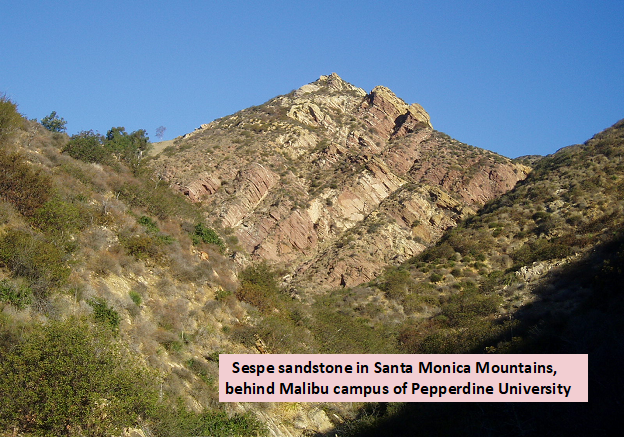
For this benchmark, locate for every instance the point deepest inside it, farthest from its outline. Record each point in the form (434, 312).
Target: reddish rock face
(203, 186)
(391, 116)
(334, 183)
(249, 188)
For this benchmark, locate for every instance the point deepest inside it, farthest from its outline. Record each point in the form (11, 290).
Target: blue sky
(515, 77)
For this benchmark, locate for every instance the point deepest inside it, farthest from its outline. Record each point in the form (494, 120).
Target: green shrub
(104, 314)
(540, 250)
(207, 235)
(340, 333)
(17, 294)
(118, 145)
(142, 247)
(152, 228)
(281, 334)
(395, 282)
(159, 201)
(262, 275)
(149, 224)
(10, 119)
(415, 302)
(27, 189)
(87, 146)
(58, 216)
(127, 147)
(257, 296)
(53, 122)
(442, 251)
(172, 345)
(497, 280)
(136, 297)
(467, 306)
(179, 422)
(223, 295)
(34, 258)
(200, 369)
(70, 376)
(436, 277)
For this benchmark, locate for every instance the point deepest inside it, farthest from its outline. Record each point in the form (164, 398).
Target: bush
(127, 147)
(17, 294)
(118, 145)
(179, 422)
(149, 224)
(87, 146)
(415, 302)
(53, 122)
(58, 216)
(466, 306)
(136, 297)
(142, 247)
(395, 282)
(207, 235)
(152, 228)
(32, 257)
(262, 275)
(159, 201)
(442, 251)
(70, 377)
(10, 119)
(25, 188)
(436, 277)
(259, 287)
(539, 250)
(339, 333)
(104, 314)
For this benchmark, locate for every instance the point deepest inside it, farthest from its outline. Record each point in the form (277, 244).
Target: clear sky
(515, 77)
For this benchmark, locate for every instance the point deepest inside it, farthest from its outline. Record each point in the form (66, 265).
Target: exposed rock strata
(297, 177)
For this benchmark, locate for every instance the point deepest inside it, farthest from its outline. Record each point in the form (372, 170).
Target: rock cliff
(332, 182)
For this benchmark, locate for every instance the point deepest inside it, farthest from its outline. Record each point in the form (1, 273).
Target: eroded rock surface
(305, 179)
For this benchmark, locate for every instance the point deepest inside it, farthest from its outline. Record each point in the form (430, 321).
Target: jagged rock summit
(332, 182)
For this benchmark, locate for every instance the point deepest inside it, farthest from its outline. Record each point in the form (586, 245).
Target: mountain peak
(295, 178)
(330, 83)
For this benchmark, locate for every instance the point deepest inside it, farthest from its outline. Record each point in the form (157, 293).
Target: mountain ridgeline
(327, 220)
(333, 183)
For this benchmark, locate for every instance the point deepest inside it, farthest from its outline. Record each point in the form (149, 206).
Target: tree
(87, 146)
(54, 123)
(127, 147)
(10, 119)
(160, 132)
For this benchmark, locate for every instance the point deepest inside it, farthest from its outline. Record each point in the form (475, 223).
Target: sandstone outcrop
(390, 116)
(334, 183)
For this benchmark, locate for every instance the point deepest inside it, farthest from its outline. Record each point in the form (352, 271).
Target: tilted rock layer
(332, 182)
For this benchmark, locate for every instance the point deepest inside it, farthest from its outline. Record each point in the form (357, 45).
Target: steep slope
(538, 270)
(105, 257)
(299, 179)
(115, 302)
(508, 264)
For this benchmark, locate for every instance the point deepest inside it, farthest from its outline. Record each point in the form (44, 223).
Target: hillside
(327, 220)
(487, 276)
(115, 297)
(538, 270)
(332, 183)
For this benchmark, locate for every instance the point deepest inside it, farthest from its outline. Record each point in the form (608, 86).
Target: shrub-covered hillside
(538, 270)
(109, 319)
(117, 294)
(466, 292)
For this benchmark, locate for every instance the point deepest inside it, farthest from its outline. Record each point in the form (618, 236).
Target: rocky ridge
(332, 182)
